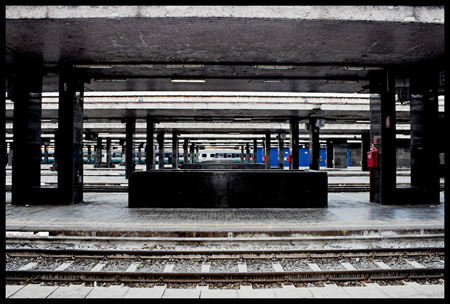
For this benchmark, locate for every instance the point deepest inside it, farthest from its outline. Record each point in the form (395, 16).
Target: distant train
(117, 157)
(221, 155)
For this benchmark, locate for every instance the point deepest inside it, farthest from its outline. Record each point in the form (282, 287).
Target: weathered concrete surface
(366, 13)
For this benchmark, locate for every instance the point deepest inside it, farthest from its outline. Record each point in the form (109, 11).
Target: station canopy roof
(223, 48)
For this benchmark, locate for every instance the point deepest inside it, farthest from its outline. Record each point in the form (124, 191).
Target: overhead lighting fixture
(274, 67)
(183, 66)
(189, 80)
(362, 68)
(242, 119)
(341, 81)
(92, 66)
(110, 79)
(265, 80)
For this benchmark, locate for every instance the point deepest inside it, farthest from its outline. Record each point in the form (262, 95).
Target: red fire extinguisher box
(372, 159)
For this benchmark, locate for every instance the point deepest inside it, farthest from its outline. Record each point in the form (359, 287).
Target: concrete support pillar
(196, 153)
(149, 152)
(98, 153)
(26, 162)
(280, 151)
(365, 147)
(192, 153)
(314, 146)
(89, 154)
(130, 129)
(108, 153)
(382, 135)
(185, 150)
(330, 160)
(45, 154)
(425, 137)
(10, 154)
(255, 150)
(263, 144)
(267, 149)
(160, 139)
(340, 153)
(293, 149)
(69, 140)
(247, 153)
(175, 150)
(242, 154)
(139, 155)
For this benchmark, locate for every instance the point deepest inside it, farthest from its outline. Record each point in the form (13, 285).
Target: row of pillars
(27, 98)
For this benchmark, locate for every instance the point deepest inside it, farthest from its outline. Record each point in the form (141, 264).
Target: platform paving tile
(34, 291)
(155, 292)
(292, 292)
(369, 291)
(428, 291)
(328, 291)
(12, 289)
(249, 292)
(181, 293)
(218, 293)
(72, 291)
(402, 291)
(113, 291)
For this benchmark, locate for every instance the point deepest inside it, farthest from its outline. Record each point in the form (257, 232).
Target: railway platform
(107, 214)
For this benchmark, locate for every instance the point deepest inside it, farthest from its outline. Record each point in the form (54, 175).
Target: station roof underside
(241, 50)
(229, 48)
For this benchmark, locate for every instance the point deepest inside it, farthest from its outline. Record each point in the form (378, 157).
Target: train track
(222, 266)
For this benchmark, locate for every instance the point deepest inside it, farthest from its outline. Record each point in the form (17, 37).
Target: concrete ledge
(228, 189)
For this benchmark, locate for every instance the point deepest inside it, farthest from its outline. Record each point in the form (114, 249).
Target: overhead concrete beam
(423, 14)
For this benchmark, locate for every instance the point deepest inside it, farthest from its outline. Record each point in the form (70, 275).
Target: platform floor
(110, 212)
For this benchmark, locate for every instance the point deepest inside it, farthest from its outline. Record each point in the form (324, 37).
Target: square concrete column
(267, 149)
(69, 140)
(263, 144)
(314, 146)
(175, 150)
(340, 153)
(382, 136)
(365, 147)
(192, 152)
(330, 160)
(425, 137)
(89, 154)
(280, 151)
(98, 153)
(26, 161)
(247, 153)
(160, 139)
(130, 129)
(149, 152)
(293, 149)
(108, 153)
(255, 150)
(185, 151)
(139, 154)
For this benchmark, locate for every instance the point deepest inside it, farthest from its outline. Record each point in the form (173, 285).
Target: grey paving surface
(109, 211)
(371, 290)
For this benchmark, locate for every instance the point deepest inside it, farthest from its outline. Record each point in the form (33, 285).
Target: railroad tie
(133, 266)
(98, 267)
(314, 267)
(63, 266)
(28, 266)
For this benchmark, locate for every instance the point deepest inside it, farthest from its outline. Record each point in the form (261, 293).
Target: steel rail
(225, 254)
(225, 277)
